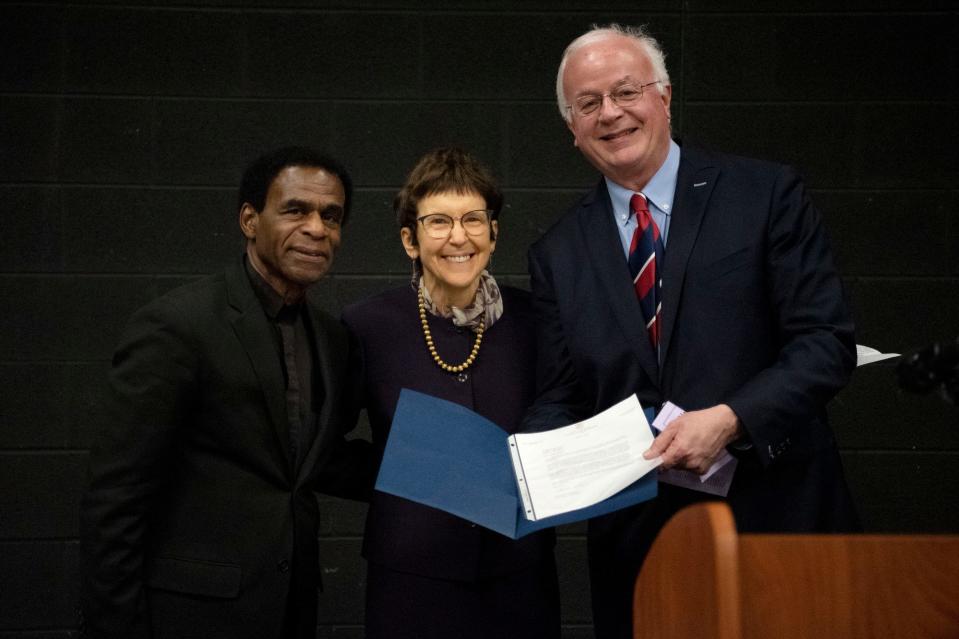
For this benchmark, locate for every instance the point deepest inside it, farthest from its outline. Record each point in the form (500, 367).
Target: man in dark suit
(227, 412)
(740, 322)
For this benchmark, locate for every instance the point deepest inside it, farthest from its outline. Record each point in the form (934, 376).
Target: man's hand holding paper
(670, 424)
(695, 440)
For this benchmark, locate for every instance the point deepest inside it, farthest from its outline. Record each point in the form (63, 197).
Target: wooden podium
(701, 579)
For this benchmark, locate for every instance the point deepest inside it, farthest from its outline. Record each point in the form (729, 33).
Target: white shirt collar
(659, 191)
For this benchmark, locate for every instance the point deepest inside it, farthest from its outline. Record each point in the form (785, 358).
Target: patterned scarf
(487, 305)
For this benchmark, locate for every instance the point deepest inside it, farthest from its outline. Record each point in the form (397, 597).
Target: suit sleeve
(559, 397)
(152, 383)
(350, 469)
(816, 353)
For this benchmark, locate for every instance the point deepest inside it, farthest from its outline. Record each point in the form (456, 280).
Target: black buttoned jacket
(197, 522)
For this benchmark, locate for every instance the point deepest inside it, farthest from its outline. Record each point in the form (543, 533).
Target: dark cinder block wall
(124, 127)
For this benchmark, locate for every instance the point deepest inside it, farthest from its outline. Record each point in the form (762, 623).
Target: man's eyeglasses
(623, 95)
(439, 226)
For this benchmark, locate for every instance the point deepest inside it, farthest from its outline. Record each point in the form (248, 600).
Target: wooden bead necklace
(432, 347)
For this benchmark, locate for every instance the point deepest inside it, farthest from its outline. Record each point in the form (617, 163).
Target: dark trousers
(404, 606)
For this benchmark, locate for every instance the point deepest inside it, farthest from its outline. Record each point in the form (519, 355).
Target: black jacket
(196, 523)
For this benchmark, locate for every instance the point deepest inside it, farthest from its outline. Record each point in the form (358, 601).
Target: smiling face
(288, 242)
(451, 266)
(627, 144)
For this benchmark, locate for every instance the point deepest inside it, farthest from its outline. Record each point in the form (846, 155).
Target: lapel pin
(699, 184)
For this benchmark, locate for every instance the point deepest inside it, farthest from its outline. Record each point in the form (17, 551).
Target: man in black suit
(741, 322)
(227, 412)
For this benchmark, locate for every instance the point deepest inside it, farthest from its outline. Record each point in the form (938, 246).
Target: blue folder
(446, 456)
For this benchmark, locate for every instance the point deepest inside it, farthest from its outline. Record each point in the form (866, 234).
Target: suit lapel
(253, 332)
(328, 375)
(603, 245)
(694, 185)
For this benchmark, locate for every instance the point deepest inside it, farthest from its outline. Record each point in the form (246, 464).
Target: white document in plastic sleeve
(584, 463)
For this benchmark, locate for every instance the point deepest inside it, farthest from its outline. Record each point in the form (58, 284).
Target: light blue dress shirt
(659, 192)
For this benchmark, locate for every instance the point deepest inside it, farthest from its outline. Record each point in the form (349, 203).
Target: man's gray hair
(596, 33)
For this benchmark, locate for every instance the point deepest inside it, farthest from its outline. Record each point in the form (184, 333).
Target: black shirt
(295, 347)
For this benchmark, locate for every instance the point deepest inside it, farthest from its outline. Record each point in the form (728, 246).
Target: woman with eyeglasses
(456, 334)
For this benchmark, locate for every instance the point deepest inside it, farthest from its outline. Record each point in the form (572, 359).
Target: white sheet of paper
(714, 481)
(867, 355)
(584, 463)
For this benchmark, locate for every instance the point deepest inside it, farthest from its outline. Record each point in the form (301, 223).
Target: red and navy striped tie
(645, 251)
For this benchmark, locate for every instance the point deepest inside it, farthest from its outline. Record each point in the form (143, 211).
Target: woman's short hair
(444, 170)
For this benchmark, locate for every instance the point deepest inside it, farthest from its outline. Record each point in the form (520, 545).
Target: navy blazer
(392, 355)
(752, 316)
(753, 312)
